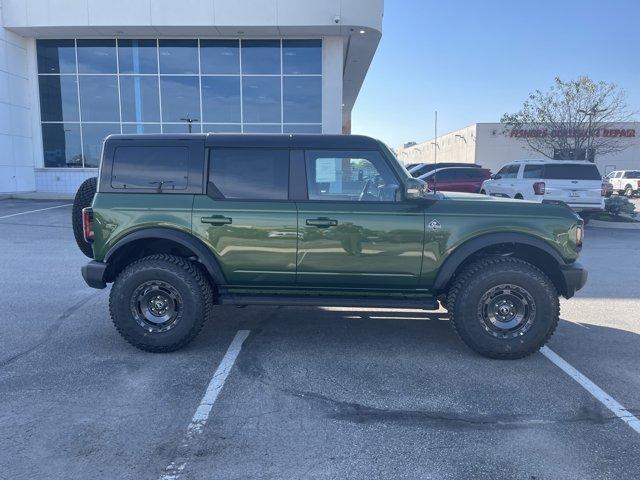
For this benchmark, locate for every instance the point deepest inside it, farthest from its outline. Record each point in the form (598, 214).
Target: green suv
(180, 223)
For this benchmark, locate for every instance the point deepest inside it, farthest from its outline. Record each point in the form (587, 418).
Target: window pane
(181, 127)
(261, 97)
(58, 98)
(250, 173)
(138, 128)
(218, 128)
(97, 56)
(140, 100)
(146, 167)
(302, 129)
(180, 98)
(61, 145)
(260, 57)
(532, 171)
(302, 99)
(219, 56)
(571, 172)
(138, 56)
(221, 99)
(262, 128)
(93, 134)
(302, 57)
(56, 56)
(178, 56)
(99, 98)
(352, 176)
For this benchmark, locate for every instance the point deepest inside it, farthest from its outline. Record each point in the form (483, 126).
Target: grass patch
(607, 217)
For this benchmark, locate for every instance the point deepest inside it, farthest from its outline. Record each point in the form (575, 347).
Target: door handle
(321, 222)
(216, 220)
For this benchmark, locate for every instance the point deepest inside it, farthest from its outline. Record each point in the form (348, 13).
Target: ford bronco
(180, 223)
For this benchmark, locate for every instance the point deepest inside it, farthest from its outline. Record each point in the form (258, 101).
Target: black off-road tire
(193, 295)
(83, 198)
(464, 302)
(628, 191)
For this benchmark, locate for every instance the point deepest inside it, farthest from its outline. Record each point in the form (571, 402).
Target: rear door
(573, 183)
(355, 231)
(246, 218)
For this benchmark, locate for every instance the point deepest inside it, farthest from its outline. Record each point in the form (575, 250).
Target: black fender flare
(199, 249)
(468, 248)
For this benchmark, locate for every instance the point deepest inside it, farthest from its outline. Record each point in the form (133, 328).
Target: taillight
(603, 189)
(539, 188)
(87, 224)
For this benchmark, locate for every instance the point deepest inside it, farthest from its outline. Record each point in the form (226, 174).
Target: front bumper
(93, 274)
(574, 278)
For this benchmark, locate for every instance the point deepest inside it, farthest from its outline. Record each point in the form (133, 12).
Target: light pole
(189, 121)
(461, 137)
(590, 113)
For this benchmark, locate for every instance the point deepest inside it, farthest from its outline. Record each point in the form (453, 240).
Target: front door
(246, 218)
(354, 230)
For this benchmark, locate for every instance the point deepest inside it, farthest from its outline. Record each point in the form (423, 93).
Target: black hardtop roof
(262, 140)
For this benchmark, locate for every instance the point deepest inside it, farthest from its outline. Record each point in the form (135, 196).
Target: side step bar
(308, 301)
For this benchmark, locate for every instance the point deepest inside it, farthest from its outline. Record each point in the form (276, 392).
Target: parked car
(625, 182)
(179, 223)
(423, 168)
(456, 179)
(576, 183)
(608, 189)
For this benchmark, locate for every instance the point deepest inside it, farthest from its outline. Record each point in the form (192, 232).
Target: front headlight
(579, 235)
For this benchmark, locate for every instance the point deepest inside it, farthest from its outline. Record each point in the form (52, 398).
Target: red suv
(456, 179)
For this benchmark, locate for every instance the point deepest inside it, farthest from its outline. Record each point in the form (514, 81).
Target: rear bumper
(93, 274)
(574, 277)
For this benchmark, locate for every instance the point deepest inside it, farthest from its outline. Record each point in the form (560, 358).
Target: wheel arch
(527, 247)
(149, 241)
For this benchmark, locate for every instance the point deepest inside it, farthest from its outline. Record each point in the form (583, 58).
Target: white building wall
(16, 142)
(488, 144)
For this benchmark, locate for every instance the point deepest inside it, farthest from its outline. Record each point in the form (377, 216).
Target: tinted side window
(249, 173)
(503, 171)
(351, 176)
(509, 171)
(571, 172)
(632, 174)
(532, 171)
(446, 175)
(153, 168)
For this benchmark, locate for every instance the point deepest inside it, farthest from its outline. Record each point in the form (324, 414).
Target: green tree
(571, 118)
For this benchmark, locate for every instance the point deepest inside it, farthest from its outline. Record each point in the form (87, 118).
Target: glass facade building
(90, 88)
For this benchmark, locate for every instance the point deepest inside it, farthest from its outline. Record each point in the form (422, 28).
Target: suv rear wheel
(159, 303)
(503, 307)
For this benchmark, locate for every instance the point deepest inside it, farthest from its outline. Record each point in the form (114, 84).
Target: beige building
(490, 145)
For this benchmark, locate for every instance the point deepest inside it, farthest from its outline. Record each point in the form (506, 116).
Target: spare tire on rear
(83, 198)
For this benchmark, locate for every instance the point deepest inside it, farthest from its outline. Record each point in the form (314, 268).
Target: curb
(614, 225)
(37, 196)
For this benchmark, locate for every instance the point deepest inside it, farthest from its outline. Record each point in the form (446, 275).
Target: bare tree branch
(572, 118)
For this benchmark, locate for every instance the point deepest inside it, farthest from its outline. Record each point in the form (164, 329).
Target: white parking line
(608, 401)
(175, 469)
(38, 210)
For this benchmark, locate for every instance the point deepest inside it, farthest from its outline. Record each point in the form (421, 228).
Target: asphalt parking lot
(322, 393)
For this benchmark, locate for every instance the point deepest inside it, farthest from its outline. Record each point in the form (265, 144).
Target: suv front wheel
(159, 303)
(503, 307)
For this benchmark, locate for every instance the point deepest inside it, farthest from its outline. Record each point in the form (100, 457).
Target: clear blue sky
(474, 60)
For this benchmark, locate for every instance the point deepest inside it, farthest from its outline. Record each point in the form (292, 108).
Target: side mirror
(495, 177)
(414, 188)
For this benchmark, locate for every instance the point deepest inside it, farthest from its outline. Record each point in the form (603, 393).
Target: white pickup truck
(625, 182)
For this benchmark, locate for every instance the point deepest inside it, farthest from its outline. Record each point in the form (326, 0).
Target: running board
(317, 301)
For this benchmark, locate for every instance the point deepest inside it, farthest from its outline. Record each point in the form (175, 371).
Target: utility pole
(590, 113)
(189, 121)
